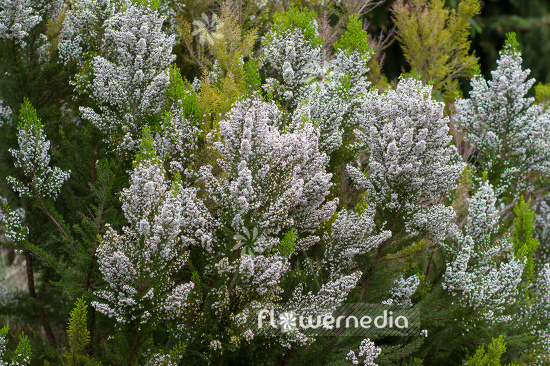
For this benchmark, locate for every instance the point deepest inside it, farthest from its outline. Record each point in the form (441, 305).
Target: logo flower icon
(208, 29)
(287, 321)
(248, 239)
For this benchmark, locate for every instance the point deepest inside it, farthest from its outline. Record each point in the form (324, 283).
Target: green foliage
(286, 246)
(297, 18)
(523, 242)
(232, 44)
(153, 4)
(224, 83)
(489, 357)
(542, 94)
(78, 334)
(511, 44)
(190, 107)
(147, 147)
(435, 41)
(176, 90)
(344, 86)
(179, 94)
(23, 352)
(28, 118)
(416, 362)
(177, 352)
(176, 183)
(354, 39)
(252, 78)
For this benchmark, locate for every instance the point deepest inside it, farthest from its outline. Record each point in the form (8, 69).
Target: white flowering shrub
(26, 50)
(5, 113)
(22, 27)
(543, 229)
(541, 314)
(509, 133)
(476, 275)
(329, 94)
(271, 197)
(543, 290)
(280, 186)
(335, 101)
(83, 28)
(409, 167)
(292, 49)
(140, 263)
(176, 139)
(17, 19)
(322, 303)
(273, 181)
(33, 158)
(228, 158)
(130, 76)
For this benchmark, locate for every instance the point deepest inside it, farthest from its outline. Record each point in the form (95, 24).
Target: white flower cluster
(538, 311)
(403, 290)
(130, 77)
(293, 57)
(273, 181)
(158, 359)
(542, 305)
(33, 158)
(5, 113)
(482, 218)
(252, 282)
(260, 275)
(3, 346)
(175, 142)
(329, 94)
(475, 274)
(83, 28)
(510, 134)
(12, 223)
(544, 343)
(325, 302)
(17, 19)
(317, 305)
(335, 101)
(368, 352)
(409, 168)
(543, 229)
(351, 235)
(140, 264)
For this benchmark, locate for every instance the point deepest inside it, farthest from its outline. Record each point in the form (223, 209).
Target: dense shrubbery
(169, 168)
